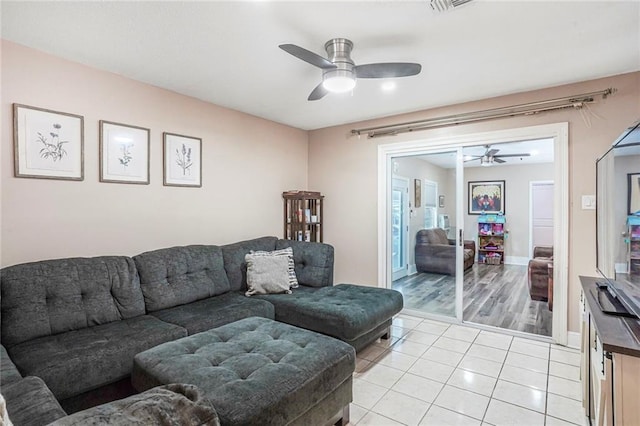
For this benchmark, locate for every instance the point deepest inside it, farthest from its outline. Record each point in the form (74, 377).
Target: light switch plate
(588, 202)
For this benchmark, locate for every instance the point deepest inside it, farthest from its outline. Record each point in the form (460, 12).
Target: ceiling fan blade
(511, 155)
(387, 70)
(497, 160)
(307, 56)
(472, 159)
(492, 152)
(318, 93)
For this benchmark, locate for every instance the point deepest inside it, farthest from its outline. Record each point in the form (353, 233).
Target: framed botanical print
(124, 153)
(182, 160)
(633, 193)
(417, 189)
(47, 144)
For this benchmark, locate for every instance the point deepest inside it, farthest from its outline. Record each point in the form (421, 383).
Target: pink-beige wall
(344, 168)
(247, 163)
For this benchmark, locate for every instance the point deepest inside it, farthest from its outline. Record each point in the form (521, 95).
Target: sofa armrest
(470, 245)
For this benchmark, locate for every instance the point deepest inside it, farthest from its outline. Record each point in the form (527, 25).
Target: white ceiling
(227, 52)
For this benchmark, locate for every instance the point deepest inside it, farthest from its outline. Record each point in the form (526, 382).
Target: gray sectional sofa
(76, 324)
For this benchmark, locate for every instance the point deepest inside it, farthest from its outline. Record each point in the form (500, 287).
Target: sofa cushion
(215, 311)
(8, 371)
(345, 311)
(178, 275)
(314, 262)
(174, 404)
(53, 296)
(235, 264)
(81, 360)
(30, 402)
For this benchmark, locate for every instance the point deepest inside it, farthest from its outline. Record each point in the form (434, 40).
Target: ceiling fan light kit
(338, 81)
(339, 72)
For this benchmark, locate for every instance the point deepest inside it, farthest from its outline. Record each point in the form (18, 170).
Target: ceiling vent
(444, 5)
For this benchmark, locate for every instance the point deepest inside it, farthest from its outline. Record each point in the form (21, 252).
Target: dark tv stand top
(619, 334)
(608, 301)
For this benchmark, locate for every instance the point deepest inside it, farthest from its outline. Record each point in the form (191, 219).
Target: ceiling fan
(339, 72)
(491, 156)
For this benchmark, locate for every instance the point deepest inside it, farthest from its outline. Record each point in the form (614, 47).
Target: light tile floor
(433, 373)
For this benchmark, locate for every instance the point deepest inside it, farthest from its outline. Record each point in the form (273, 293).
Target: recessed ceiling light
(388, 86)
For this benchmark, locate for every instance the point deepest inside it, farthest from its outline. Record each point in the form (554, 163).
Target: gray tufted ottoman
(257, 371)
(355, 314)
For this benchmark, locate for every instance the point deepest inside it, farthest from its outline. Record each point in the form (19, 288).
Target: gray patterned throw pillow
(293, 280)
(267, 274)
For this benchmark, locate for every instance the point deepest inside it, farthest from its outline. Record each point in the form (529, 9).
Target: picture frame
(417, 183)
(124, 153)
(441, 201)
(182, 158)
(47, 144)
(486, 197)
(633, 193)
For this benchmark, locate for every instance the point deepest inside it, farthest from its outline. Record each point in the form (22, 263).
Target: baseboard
(412, 269)
(516, 260)
(573, 339)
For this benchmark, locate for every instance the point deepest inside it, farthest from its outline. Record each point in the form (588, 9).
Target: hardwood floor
(494, 295)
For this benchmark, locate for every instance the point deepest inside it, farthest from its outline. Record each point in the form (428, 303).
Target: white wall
(247, 163)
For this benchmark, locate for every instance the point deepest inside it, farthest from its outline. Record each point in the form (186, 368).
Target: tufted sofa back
(234, 262)
(314, 262)
(53, 296)
(178, 275)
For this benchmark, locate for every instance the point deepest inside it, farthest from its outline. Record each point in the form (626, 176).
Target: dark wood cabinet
(303, 216)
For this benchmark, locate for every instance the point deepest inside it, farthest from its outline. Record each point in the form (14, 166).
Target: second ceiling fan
(339, 72)
(491, 156)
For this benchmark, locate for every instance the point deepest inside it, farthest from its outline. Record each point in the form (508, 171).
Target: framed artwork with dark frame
(124, 153)
(47, 144)
(417, 192)
(182, 160)
(633, 193)
(486, 197)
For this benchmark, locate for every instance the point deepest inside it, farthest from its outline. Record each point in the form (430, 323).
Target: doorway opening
(464, 294)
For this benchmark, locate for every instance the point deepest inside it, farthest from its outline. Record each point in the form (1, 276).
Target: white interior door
(541, 214)
(399, 227)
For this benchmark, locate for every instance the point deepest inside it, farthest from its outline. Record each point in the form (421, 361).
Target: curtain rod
(577, 101)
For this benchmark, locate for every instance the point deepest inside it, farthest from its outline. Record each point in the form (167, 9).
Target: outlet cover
(588, 202)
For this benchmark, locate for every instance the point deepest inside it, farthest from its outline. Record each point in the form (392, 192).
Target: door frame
(532, 183)
(559, 132)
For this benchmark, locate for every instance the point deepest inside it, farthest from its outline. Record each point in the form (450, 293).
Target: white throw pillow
(267, 274)
(293, 280)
